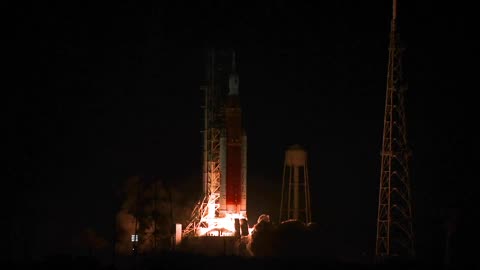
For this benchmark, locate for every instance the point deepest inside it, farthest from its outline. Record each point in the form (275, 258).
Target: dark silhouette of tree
(291, 239)
(261, 239)
(150, 209)
(93, 242)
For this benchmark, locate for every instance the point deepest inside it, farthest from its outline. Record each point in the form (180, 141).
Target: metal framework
(211, 152)
(295, 178)
(395, 236)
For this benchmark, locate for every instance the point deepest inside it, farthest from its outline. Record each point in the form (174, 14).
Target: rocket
(233, 153)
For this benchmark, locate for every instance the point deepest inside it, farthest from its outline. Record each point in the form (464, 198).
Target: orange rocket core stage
(233, 122)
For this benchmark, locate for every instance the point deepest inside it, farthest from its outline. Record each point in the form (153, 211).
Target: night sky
(98, 93)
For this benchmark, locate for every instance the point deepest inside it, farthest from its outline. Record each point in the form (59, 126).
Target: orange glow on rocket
(234, 151)
(234, 194)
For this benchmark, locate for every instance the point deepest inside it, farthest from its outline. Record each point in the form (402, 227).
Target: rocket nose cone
(233, 84)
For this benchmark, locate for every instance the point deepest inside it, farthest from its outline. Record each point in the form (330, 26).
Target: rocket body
(235, 200)
(233, 153)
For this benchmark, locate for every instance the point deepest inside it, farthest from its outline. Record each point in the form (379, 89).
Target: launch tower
(395, 237)
(223, 210)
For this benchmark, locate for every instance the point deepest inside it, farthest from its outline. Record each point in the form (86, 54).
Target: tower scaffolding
(207, 207)
(395, 236)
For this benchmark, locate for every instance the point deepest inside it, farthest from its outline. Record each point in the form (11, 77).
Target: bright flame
(218, 226)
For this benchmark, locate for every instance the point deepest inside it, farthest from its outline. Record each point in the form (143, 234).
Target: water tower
(295, 201)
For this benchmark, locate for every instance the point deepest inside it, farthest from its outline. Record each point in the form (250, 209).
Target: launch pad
(223, 224)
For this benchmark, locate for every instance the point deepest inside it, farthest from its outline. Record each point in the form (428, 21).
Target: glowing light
(134, 237)
(178, 233)
(216, 222)
(218, 226)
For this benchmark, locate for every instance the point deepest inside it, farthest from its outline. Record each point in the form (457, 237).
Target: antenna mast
(395, 237)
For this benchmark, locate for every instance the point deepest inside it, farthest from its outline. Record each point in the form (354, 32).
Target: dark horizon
(104, 92)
